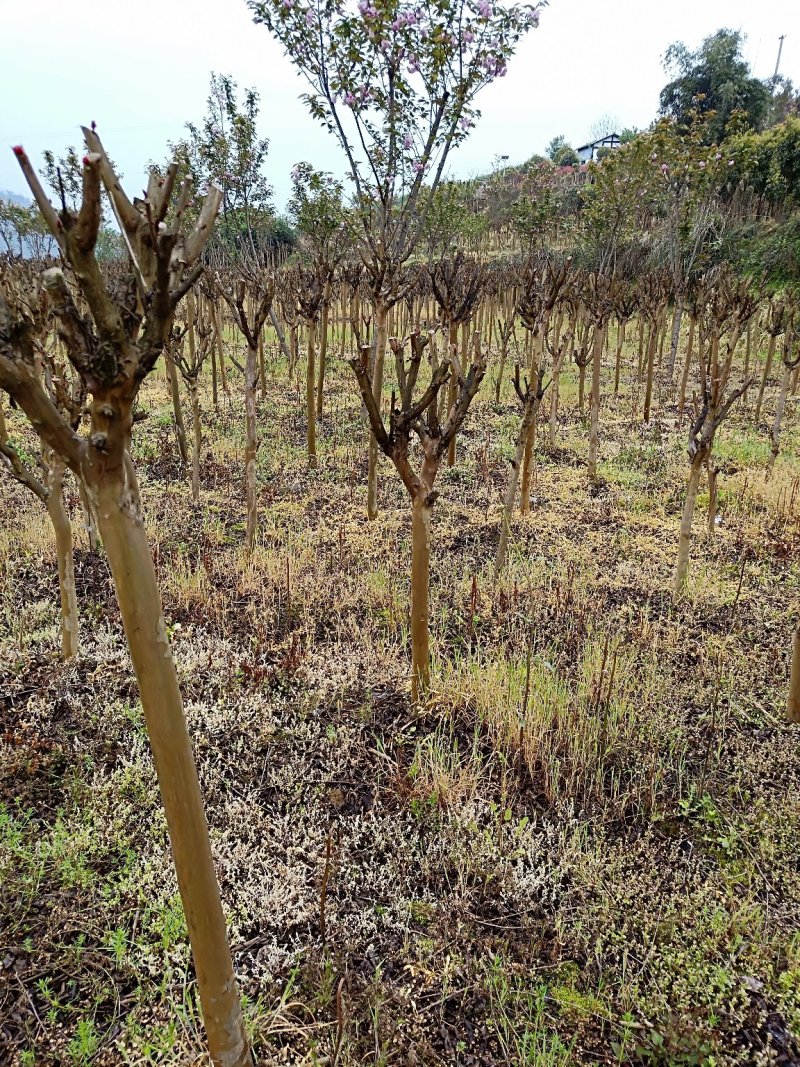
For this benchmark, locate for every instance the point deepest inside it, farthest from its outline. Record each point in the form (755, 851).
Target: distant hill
(15, 198)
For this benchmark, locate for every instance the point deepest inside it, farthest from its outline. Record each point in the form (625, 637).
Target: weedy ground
(583, 849)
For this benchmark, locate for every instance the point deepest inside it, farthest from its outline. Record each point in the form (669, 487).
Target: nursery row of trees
(385, 280)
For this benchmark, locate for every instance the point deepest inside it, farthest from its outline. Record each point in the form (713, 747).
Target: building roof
(600, 141)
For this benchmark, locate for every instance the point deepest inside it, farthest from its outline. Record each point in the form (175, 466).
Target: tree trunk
(323, 347)
(652, 344)
(70, 620)
(618, 360)
(251, 445)
(122, 528)
(685, 536)
(595, 401)
(180, 426)
(776, 425)
(420, 576)
(451, 390)
(311, 407)
(381, 315)
(765, 376)
(686, 365)
(675, 337)
(711, 528)
(793, 702)
(220, 349)
(197, 439)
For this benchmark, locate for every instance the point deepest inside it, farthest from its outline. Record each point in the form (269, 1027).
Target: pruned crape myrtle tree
(26, 305)
(317, 207)
(112, 349)
(310, 296)
(539, 295)
(420, 417)
(394, 82)
(189, 354)
(599, 302)
(726, 308)
(530, 398)
(248, 291)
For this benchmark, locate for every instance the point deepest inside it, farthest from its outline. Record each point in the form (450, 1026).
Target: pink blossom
(408, 141)
(484, 9)
(310, 18)
(469, 37)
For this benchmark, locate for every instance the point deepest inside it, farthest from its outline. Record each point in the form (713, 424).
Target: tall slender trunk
(197, 439)
(711, 527)
(219, 345)
(765, 376)
(775, 435)
(652, 344)
(251, 445)
(451, 389)
(381, 316)
(686, 365)
(793, 700)
(70, 620)
(677, 317)
(420, 577)
(177, 408)
(117, 507)
(89, 521)
(618, 359)
(685, 536)
(323, 347)
(262, 369)
(311, 407)
(594, 401)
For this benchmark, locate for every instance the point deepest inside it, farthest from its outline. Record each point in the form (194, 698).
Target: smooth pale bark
(640, 351)
(775, 435)
(767, 368)
(594, 401)
(262, 369)
(220, 349)
(652, 344)
(686, 365)
(420, 577)
(711, 528)
(685, 535)
(581, 387)
(197, 439)
(323, 347)
(451, 391)
(381, 316)
(70, 620)
(677, 318)
(793, 700)
(177, 408)
(618, 358)
(311, 407)
(250, 446)
(118, 512)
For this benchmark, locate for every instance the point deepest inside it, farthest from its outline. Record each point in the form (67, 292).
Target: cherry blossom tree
(395, 82)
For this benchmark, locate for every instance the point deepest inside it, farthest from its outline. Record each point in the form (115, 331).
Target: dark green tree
(715, 78)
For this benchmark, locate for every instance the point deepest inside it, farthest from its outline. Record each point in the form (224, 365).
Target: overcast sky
(141, 70)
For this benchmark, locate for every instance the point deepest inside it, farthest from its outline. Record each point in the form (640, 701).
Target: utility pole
(778, 61)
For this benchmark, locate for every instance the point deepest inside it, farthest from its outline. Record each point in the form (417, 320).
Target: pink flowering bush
(395, 81)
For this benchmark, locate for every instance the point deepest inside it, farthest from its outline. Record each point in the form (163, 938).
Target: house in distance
(587, 153)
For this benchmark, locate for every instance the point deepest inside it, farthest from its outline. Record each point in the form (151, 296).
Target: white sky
(141, 70)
